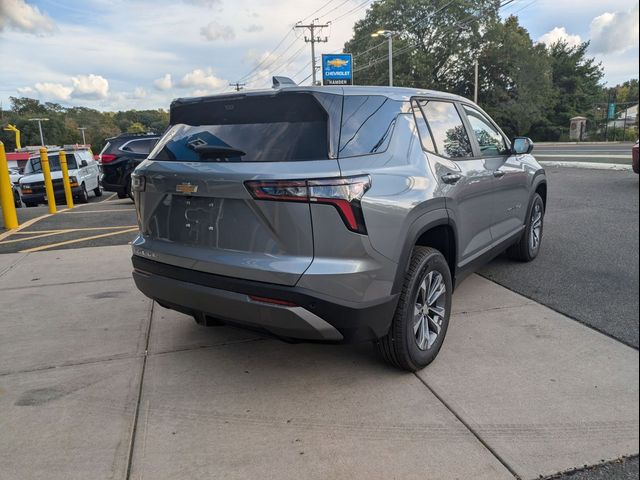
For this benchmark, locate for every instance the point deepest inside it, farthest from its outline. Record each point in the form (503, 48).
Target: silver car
(333, 214)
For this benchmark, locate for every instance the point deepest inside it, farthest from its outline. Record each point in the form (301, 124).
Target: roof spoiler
(279, 82)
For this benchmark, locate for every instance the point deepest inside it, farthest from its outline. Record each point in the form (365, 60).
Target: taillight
(107, 158)
(343, 193)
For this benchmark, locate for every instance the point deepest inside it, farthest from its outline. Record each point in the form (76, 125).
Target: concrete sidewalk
(96, 382)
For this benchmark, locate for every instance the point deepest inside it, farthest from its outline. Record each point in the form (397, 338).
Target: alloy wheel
(429, 310)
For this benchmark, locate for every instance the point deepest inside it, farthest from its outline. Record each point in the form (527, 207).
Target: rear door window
(449, 133)
(367, 124)
(263, 128)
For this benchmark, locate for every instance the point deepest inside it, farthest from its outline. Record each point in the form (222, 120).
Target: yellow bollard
(65, 179)
(6, 193)
(48, 184)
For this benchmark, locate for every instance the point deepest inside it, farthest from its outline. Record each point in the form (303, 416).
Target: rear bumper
(58, 194)
(313, 318)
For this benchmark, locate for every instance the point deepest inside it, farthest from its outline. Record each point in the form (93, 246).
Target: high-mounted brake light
(344, 193)
(107, 158)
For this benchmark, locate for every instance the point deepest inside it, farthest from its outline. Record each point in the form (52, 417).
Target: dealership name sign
(337, 69)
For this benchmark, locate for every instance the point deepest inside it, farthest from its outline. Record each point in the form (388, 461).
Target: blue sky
(122, 54)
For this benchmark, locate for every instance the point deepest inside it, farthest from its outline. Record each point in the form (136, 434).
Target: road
(618, 153)
(588, 265)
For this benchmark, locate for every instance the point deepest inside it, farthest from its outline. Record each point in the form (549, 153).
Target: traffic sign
(337, 69)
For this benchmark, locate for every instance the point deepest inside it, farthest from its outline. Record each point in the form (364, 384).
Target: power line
(334, 9)
(270, 65)
(316, 11)
(353, 10)
(261, 63)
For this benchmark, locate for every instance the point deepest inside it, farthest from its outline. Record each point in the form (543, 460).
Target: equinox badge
(186, 188)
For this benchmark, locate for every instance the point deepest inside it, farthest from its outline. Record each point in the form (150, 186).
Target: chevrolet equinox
(333, 214)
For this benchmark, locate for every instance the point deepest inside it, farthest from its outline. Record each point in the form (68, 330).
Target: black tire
(400, 346)
(526, 250)
(83, 196)
(30, 204)
(122, 195)
(97, 191)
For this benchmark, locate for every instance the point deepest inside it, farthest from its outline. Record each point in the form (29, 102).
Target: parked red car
(634, 154)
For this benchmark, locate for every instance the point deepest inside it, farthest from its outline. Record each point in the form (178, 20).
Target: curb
(590, 165)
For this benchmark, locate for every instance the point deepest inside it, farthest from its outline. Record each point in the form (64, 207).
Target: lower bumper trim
(322, 319)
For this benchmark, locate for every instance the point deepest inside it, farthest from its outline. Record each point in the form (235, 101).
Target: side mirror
(522, 145)
(83, 164)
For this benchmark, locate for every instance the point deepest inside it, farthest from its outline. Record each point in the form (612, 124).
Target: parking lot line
(102, 211)
(26, 224)
(48, 233)
(77, 240)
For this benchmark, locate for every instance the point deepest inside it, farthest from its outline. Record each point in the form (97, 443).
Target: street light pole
(40, 120)
(388, 34)
(82, 129)
(475, 85)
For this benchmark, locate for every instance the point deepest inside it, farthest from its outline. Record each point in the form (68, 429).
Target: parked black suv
(120, 156)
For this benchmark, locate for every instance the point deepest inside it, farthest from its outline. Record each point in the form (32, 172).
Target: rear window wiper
(217, 151)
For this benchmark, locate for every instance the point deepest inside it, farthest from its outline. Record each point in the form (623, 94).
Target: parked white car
(84, 177)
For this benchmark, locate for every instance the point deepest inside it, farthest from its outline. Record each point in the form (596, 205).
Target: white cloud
(203, 80)
(163, 83)
(20, 16)
(90, 86)
(216, 31)
(614, 32)
(253, 28)
(25, 90)
(560, 34)
(139, 93)
(53, 91)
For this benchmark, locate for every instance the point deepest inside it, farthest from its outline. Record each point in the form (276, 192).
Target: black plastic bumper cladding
(354, 322)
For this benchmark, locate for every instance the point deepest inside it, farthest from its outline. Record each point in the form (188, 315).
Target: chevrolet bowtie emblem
(186, 188)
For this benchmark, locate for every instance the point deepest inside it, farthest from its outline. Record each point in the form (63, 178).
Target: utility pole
(475, 85)
(82, 129)
(238, 86)
(313, 39)
(40, 120)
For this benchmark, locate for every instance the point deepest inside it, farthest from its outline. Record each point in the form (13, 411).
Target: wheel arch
(433, 229)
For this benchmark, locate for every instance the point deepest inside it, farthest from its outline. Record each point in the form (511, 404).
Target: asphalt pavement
(588, 264)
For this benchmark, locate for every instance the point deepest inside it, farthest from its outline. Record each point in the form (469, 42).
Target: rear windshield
(34, 166)
(278, 128)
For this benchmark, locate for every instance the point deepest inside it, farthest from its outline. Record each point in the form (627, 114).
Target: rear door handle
(451, 178)
(498, 173)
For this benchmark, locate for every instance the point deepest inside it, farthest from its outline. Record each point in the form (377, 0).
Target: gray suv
(331, 214)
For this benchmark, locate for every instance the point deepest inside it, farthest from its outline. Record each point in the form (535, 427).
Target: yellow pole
(13, 128)
(48, 184)
(6, 193)
(65, 179)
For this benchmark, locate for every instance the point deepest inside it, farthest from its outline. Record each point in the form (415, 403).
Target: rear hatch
(196, 193)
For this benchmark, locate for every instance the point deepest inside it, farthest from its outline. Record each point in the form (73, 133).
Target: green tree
(577, 89)
(515, 77)
(437, 41)
(136, 127)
